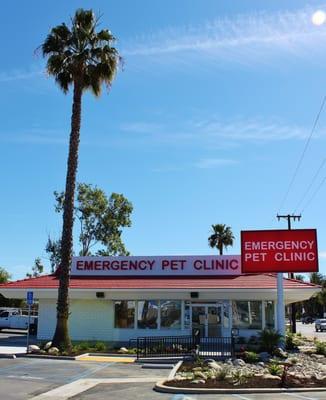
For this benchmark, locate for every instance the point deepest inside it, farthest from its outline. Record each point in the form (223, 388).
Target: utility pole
(288, 217)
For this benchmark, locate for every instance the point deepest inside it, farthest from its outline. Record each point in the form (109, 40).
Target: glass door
(207, 318)
(199, 319)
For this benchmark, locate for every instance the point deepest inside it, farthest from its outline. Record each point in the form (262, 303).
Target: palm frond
(79, 53)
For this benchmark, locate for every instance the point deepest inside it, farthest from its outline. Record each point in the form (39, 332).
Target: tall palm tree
(83, 58)
(221, 238)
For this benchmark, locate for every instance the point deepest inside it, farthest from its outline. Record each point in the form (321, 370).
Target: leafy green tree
(4, 302)
(4, 275)
(37, 269)
(81, 57)
(53, 249)
(316, 306)
(100, 218)
(221, 238)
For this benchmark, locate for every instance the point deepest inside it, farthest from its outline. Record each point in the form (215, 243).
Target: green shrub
(83, 346)
(269, 340)
(251, 357)
(240, 378)
(222, 373)
(275, 369)
(290, 341)
(320, 347)
(100, 346)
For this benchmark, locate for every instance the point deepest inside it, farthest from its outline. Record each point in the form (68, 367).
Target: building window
(124, 314)
(147, 317)
(187, 315)
(247, 314)
(226, 315)
(269, 314)
(170, 314)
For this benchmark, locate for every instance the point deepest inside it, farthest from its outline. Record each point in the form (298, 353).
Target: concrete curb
(163, 388)
(8, 356)
(47, 357)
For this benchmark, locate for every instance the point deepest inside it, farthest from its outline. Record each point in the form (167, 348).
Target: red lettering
(106, 265)
(79, 265)
(198, 264)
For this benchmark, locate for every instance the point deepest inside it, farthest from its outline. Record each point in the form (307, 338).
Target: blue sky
(205, 124)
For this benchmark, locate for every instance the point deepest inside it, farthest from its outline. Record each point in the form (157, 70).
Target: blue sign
(29, 298)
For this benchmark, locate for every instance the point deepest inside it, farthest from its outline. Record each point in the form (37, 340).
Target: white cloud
(37, 136)
(140, 127)
(255, 129)
(322, 254)
(216, 132)
(15, 75)
(207, 163)
(243, 38)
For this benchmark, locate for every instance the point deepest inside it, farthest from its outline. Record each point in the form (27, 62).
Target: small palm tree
(78, 57)
(221, 238)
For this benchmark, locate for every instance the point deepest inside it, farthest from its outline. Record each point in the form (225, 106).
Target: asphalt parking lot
(24, 378)
(27, 378)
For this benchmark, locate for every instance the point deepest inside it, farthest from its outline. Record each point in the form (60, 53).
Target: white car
(320, 325)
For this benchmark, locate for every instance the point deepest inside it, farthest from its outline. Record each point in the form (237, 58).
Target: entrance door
(208, 318)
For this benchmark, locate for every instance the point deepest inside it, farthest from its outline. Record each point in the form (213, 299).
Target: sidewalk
(7, 350)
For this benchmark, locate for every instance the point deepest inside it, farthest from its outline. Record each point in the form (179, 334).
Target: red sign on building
(279, 251)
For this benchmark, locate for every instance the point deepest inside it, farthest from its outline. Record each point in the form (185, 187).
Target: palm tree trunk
(61, 337)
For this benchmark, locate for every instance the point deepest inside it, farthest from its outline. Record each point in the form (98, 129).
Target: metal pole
(280, 305)
(29, 323)
(293, 308)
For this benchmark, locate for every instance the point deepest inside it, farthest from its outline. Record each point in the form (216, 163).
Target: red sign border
(270, 271)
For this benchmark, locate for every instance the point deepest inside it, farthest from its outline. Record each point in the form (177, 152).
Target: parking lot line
(300, 396)
(239, 396)
(72, 389)
(89, 372)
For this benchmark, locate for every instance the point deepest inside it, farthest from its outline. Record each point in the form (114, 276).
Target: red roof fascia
(247, 281)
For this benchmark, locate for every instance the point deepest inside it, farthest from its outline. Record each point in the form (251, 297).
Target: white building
(115, 299)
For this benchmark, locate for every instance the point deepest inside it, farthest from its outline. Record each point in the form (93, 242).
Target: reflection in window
(226, 316)
(269, 314)
(124, 314)
(170, 314)
(147, 314)
(247, 314)
(187, 313)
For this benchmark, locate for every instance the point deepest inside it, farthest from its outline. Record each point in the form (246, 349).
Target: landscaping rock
(281, 353)
(32, 348)
(261, 364)
(317, 356)
(215, 366)
(200, 374)
(53, 351)
(123, 350)
(196, 381)
(47, 345)
(239, 362)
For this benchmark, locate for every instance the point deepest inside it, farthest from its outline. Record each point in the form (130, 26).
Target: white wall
(88, 320)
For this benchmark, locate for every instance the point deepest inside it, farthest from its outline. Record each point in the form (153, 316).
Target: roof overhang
(290, 295)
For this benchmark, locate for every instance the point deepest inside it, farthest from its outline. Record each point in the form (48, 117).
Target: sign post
(29, 301)
(279, 251)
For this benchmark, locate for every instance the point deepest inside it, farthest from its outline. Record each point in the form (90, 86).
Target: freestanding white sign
(157, 266)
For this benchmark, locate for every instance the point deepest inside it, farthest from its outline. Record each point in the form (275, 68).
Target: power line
(303, 154)
(310, 185)
(314, 194)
